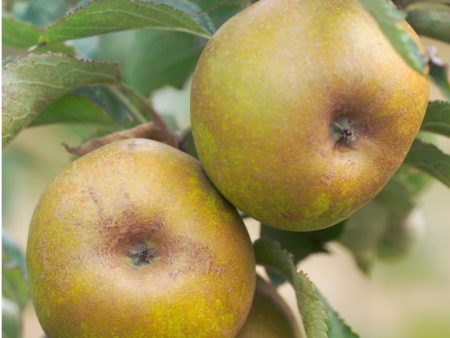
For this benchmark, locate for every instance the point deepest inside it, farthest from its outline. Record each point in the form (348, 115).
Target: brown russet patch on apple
(188, 256)
(136, 144)
(130, 235)
(127, 231)
(350, 118)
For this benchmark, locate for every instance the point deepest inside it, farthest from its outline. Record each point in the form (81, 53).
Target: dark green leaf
(362, 233)
(430, 19)
(389, 18)
(14, 275)
(397, 199)
(383, 223)
(22, 35)
(319, 320)
(161, 58)
(437, 118)
(167, 58)
(269, 254)
(439, 73)
(108, 102)
(188, 145)
(400, 238)
(414, 181)
(73, 109)
(106, 16)
(431, 160)
(337, 328)
(219, 10)
(302, 244)
(36, 81)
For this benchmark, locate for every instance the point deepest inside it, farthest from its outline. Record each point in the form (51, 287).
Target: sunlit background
(406, 299)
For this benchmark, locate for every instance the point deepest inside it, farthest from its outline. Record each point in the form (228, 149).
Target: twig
(146, 130)
(146, 106)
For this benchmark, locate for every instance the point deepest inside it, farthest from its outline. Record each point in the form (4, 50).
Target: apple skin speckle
(267, 92)
(146, 196)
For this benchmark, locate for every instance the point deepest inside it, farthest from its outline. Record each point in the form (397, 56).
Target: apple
(132, 240)
(270, 316)
(302, 110)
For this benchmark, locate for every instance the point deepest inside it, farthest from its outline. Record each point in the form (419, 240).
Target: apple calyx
(344, 132)
(141, 254)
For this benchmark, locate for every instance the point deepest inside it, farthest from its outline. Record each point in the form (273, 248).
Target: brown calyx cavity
(141, 254)
(343, 132)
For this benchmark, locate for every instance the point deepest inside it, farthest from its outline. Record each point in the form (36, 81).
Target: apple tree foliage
(97, 63)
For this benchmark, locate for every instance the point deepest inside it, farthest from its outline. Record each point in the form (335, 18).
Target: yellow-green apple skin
(302, 110)
(270, 316)
(132, 240)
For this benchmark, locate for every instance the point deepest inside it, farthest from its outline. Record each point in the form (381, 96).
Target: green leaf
(14, 274)
(430, 19)
(39, 12)
(337, 328)
(313, 313)
(400, 238)
(389, 18)
(302, 244)
(73, 108)
(18, 34)
(431, 160)
(106, 16)
(116, 47)
(362, 233)
(397, 200)
(107, 101)
(439, 73)
(23, 35)
(437, 118)
(318, 319)
(220, 11)
(11, 319)
(36, 81)
(162, 58)
(382, 227)
(414, 181)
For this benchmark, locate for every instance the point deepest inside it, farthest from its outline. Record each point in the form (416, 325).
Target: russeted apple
(132, 240)
(270, 316)
(302, 110)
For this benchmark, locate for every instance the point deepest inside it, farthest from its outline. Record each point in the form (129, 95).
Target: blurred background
(409, 298)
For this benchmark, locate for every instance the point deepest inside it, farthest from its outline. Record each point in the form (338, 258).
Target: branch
(146, 106)
(147, 130)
